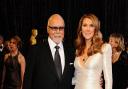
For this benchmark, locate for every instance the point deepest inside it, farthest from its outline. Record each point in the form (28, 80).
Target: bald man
(41, 71)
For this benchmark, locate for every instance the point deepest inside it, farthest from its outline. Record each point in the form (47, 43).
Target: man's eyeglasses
(54, 28)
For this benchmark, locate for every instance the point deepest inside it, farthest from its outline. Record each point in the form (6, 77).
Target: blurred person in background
(119, 61)
(1, 56)
(14, 66)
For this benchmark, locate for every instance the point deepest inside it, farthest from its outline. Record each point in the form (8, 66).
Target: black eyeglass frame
(55, 28)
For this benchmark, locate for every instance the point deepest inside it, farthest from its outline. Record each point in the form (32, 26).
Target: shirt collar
(1, 49)
(52, 44)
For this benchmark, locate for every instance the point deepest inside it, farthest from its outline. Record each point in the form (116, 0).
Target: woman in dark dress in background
(119, 60)
(14, 66)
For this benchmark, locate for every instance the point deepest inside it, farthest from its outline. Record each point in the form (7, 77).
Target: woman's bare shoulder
(21, 58)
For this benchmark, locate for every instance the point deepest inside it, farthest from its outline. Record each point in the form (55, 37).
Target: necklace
(115, 56)
(85, 59)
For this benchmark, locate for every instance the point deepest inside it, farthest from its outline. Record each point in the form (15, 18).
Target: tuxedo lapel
(66, 62)
(50, 60)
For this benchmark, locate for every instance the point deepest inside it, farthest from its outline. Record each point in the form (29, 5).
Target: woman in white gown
(92, 56)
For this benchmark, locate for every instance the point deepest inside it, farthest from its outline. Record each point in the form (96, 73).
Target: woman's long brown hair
(96, 40)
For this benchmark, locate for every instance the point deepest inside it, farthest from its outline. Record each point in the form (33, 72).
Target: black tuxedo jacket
(40, 71)
(1, 64)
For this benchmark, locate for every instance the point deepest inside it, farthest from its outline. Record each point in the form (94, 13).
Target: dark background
(20, 16)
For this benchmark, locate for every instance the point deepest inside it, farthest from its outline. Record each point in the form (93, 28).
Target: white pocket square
(71, 63)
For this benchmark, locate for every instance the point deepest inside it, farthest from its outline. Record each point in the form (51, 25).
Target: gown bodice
(88, 75)
(12, 78)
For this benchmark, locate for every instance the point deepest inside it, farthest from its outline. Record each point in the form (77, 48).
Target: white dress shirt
(1, 49)
(52, 45)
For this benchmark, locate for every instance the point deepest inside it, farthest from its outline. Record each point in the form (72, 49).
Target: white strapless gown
(88, 76)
